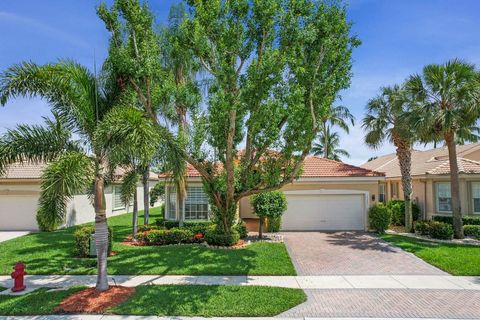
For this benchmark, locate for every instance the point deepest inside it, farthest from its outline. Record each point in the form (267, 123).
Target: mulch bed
(91, 301)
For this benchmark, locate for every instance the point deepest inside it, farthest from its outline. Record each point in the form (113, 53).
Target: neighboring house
(329, 195)
(431, 179)
(20, 191)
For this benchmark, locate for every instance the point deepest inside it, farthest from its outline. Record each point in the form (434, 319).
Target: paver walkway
(351, 253)
(389, 303)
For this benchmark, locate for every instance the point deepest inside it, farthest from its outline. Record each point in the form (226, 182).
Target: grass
(35, 303)
(458, 260)
(52, 253)
(210, 301)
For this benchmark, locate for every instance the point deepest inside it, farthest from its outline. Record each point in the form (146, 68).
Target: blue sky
(398, 38)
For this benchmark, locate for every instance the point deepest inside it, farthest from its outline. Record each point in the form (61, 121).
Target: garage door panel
(18, 212)
(324, 212)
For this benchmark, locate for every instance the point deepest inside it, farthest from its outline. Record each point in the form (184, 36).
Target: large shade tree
(385, 120)
(274, 66)
(80, 101)
(448, 108)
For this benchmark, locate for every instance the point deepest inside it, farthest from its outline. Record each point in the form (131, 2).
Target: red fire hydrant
(18, 275)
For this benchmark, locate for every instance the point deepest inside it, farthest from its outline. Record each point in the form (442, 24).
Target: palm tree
(386, 120)
(334, 116)
(448, 97)
(334, 150)
(80, 102)
(182, 67)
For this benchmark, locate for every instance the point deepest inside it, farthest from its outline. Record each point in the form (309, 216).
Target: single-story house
(329, 195)
(431, 179)
(20, 191)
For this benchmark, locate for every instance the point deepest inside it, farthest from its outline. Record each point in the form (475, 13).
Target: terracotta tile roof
(24, 171)
(464, 166)
(314, 167)
(34, 171)
(423, 162)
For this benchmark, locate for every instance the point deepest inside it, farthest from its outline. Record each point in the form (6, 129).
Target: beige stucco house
(431, 179)
(20, 191)
(329, 195)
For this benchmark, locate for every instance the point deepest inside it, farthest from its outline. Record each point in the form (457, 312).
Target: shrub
(444, 219)
(82, 237)
(148, 227)
(379, 218)
(241, 228)
(172, 236)
(471, 221)
(217, 237)
(422, 227)
(472, 231)
(441, 230)
(397, 209)
(268, 205)
(156, 192)
(273, 224)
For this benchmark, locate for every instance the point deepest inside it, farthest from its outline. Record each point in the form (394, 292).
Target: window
(381, 193)
(117, 199)
(172, 203)
(444, 197)
(394, 190)
(476, 197)
(196, 204)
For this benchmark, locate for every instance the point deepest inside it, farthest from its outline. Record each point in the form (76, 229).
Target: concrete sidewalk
(302, 282)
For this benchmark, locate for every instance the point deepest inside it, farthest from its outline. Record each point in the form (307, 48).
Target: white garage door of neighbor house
(18, 212)
(324, 212)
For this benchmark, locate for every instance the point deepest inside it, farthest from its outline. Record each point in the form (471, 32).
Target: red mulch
(91, 301)
(129, 242)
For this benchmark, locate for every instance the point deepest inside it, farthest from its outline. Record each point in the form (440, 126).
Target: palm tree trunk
(404, 156)
(326, 147)
(101, 233)
(135, 214)
(146, 197)
(454, 185)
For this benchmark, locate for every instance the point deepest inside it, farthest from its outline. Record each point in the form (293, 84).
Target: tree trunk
(454, 185)
(180, 201)
(325, 142)
(135, 215)
(260, 228)
(404, 155)
(101, 233)
(146, 197)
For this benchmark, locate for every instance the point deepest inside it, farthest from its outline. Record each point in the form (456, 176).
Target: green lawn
(458, 260)
(52, 253)
(171, 300)
(210, 301)
(35, 303)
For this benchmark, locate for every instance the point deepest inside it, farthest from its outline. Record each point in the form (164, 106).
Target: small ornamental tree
(268, 205)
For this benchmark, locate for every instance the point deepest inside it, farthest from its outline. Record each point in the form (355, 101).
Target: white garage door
(18, 212)
(333, 211)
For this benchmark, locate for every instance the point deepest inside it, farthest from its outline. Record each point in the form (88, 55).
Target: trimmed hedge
(441, 230)
(82, 237)
(163, 237)
(397, 209)
(472, 231)
(467, 220)
(217, 237)
(379, 218)
(194, 226)
(422, 227)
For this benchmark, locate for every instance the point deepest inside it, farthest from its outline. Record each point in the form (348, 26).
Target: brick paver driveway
(351, 253)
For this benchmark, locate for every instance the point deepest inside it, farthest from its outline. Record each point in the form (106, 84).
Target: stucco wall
(19, 204)
(370, 186)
